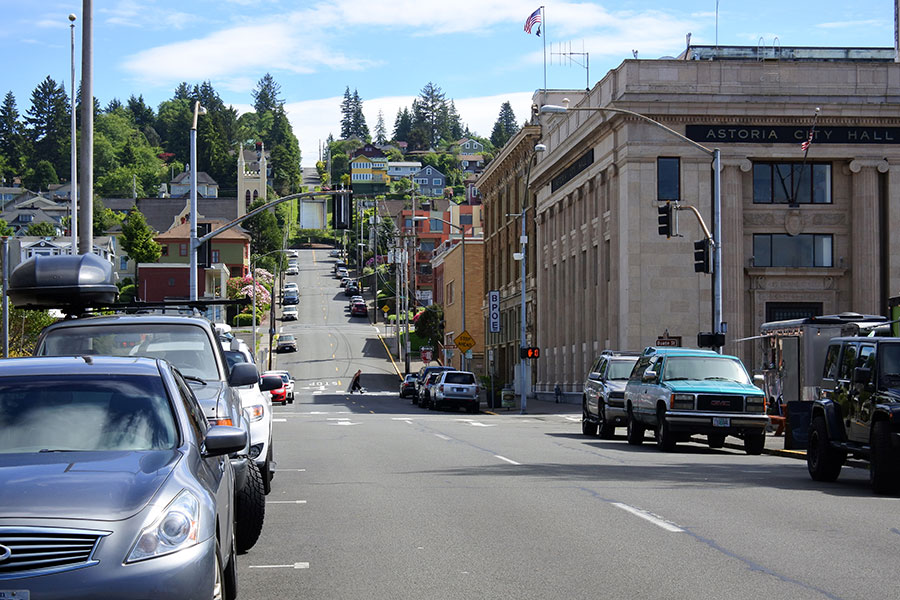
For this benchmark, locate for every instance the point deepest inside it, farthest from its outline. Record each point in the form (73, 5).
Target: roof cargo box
(63, 280)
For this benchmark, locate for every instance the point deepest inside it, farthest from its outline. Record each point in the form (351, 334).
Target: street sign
(464, 341)
(671, 342)
(426, 354)
(385, 308)
(494, 311)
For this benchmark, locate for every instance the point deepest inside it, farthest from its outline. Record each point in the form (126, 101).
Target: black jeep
(858, 411)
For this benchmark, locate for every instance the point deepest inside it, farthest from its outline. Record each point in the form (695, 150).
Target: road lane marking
(503, 458)
(443, 437)
(279, 420)
(289, 470)
(571, 418)
(650, 517)
(285, 501)
(474, 423)
(297, 565)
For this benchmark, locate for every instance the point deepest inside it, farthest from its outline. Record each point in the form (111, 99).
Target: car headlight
(177, 528)
(682, 401)
(756, 404)
(256, 412)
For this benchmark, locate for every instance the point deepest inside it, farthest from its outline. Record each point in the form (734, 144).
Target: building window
(164, 250)
(668, 178)
(450, 293)
(247, 195)
(123, 263)
(171, 282)
(255, 195)
(215, 256)
(782, 250)
(778, 183)
(435, 182)
(465, 219)
(782, 311)
(182, 249)
(426, 246)
(437, 225)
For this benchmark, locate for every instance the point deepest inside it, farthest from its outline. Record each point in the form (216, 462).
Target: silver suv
(603, 399)
(455, 389)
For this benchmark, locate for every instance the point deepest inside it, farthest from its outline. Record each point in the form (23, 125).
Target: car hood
(102, 486)
(714, 387)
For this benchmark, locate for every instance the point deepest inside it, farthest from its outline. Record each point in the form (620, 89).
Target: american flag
(533, 20)
(805, 145)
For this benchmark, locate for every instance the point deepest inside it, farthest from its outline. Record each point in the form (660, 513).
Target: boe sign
(494, 311)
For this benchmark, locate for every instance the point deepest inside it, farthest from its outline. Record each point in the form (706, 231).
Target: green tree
(5, 229)
(402, 125)
(104, 218)
(428, 325)
(48, 125)
(13, 144)
(359, 127)
(137, 241)
(173, 123)
(24, 328)
(42, 229)
(285, 154)
(267, 95)
(380, 131)
(265, 235)
(505, 127)
(41, 177)
(347, 115)
(427, 112)
(141, 114)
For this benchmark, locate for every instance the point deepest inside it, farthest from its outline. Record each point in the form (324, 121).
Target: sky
(476, 51)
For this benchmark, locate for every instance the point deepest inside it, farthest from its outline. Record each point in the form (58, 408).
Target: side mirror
(243, 374)
(759, 380)
(269, 382)
(649, 376)
(862, 375)
(224, 439)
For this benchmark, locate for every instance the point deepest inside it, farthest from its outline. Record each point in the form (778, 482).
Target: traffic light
(666, 219)
(204, 250)
(529, 352)
(343, 210)
(701, 256)
(707, 339)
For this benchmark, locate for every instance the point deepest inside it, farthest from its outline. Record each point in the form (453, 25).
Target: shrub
(243, 320)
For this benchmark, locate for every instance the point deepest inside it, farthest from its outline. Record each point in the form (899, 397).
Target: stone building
(802, 232)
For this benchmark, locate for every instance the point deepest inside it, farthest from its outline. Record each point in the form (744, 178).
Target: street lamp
(462, 230)
(717, 324)
(198, 110)
(73, 176)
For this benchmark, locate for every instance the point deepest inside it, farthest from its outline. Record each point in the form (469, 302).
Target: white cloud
(853, 24)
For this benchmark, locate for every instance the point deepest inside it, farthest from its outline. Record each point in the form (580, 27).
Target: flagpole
(544, 27)
(812, 132)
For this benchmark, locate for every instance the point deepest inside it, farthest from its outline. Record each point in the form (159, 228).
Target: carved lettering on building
(788, 134)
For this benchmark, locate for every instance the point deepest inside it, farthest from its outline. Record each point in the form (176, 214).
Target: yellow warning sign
(385, 308)
(464, 341)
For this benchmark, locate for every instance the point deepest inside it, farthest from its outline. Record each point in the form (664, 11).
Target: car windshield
(621, 368)
(704, 368)
(286, 337)
(460, 378)
(889, 357)
(186, 346)
(72, 413)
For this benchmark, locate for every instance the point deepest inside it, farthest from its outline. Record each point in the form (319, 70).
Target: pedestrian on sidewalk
(557, 393)
(356, 384)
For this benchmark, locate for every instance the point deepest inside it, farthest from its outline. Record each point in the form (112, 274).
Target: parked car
(455, 389)
(408, 386)
(354, 300)
(423, 374)
(603, 399)
(858, 411)
(292, 270)
(342, 272)
(115, 483)
(351, 290)
(289, 313)
(291, 297)
(425, 389)
(338, 265)
(359, 309)
(286, 343)
(677, 392)
(290, 286)
(345, 281)
(191, 344)
(288, 383)
(335, 253)
(257, 404)
(279, 394)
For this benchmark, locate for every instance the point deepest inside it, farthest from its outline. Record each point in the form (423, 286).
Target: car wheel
(665, 441)
(635, 431)
(754, 443)
(822, 461)
(884, 470)
(715, 440)
(250, 509)
(587, 427)
(606, 429)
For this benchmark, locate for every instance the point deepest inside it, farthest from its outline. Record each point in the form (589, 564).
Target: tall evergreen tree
(182, 92)
(347, 115)
(505, 127)
(48, 125)
(12, 138)
(359, 127)
(380, 131)
(267, 95)
(285, 154)
(427, 112)
(113, 105)
(454, 124)
(141, 114)
(402, 125)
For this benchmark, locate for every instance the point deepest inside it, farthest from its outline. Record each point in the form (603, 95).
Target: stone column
(865, 236)
(733, 261)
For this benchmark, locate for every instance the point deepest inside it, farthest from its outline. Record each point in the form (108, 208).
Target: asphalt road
(376, 498)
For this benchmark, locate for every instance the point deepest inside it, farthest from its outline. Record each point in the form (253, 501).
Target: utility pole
(86, 193)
